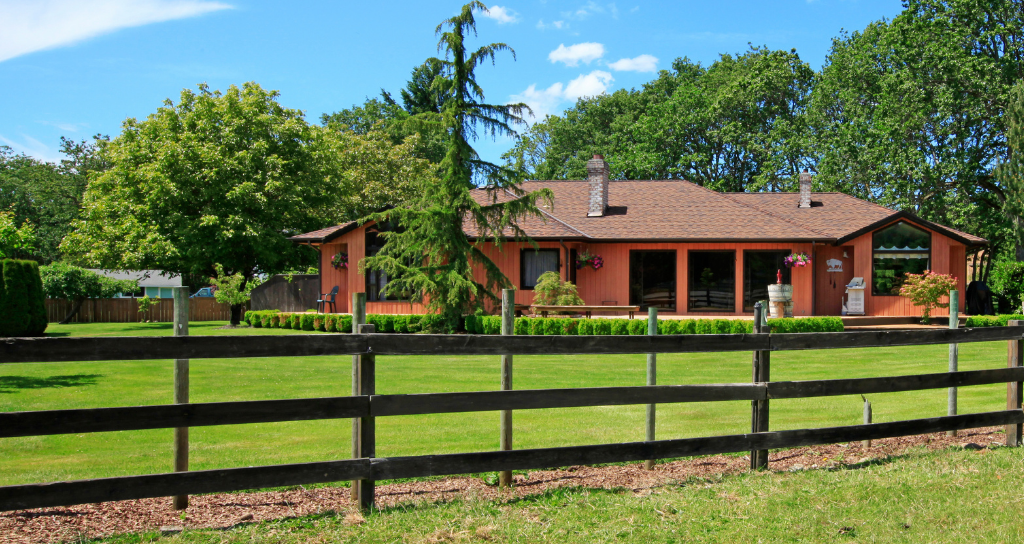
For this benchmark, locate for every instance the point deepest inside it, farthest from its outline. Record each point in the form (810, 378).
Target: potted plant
(586, 259)
(780, 295)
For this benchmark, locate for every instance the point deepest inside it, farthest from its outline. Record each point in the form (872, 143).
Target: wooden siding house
(689, 250)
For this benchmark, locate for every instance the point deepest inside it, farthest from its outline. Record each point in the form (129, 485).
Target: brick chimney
(805, 189)
(597, 177)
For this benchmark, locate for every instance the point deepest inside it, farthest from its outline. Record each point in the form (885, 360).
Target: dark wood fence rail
(367, 407)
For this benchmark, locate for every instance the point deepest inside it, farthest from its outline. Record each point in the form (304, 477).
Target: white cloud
(502, 15)
(545, 102)
(33, 148)
(558, 25)
(592, 84)
(45, 24)
(574, 54)
(643, 63)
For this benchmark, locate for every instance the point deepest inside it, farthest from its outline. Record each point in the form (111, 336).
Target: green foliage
(991, 320)
(926, 289)
(619, 327)
(704, 326)
(306, 321)
(15, 241)
(232, 289)
(551, 290)
(585, 327)
(740, 326)
(523, 325)
(21, 297)
(401, 324)
(806, 324)
(538, 326)
(62, 280)
(320, 323)
(637, 326)
(145, 304)
(428, 253)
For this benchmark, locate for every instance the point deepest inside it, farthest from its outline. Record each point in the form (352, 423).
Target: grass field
(80, 385)
(948, 496)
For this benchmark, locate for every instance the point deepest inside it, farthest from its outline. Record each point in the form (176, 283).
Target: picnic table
(585, 310)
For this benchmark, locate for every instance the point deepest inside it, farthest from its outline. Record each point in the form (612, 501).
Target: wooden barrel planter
(780, 300)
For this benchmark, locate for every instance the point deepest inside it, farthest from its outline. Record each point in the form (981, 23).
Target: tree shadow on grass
(14, 384)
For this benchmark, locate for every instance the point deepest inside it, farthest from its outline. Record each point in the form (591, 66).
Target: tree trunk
(72, 312)
(236, 314)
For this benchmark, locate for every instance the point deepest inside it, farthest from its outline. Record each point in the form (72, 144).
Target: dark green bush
(344, 323)
(704, 326)
(601, 327)
(492, 324)
(637, 326)
(991, 320)
(806, 324)
(619, 327)
(722, 326)
(522, 325)
(552, 326)
(267, 319)
(15, 304)
(432, 323)
(585, 327)
(473, 324)
(414, 323)
(36, 299)
(740, 326)
(306, 321)
(401, 324)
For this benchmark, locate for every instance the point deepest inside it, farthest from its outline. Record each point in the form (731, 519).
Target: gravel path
(226, 510)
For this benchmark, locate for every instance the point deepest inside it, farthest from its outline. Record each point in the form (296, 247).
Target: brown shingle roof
(676, 210)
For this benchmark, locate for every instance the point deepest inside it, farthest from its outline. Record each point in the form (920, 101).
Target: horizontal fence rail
(367, 468)
(27, 350)
(133, 418)
(233, 479)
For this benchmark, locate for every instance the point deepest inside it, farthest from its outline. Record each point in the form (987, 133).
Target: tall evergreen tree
(427, 253)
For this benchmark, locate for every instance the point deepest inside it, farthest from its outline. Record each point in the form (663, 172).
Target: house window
(712, 281)
(533, 263)
(159, 292)
(898, 250)
(377, 280)
(652, 279)
(761, 268)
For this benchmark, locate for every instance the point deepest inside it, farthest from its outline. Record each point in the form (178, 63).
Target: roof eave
(945, 231)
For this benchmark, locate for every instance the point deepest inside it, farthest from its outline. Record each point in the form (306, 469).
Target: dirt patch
(227, 510)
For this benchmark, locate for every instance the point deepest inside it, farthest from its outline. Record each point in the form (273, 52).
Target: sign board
(834, 265)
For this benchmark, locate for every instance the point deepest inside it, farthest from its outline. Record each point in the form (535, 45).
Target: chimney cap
(596, 156)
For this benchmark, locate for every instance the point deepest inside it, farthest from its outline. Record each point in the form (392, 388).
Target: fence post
(759, 408)
(366, 436)
(180, 389)
(508, 328)
(954, 351)
(652, 379)
(1013, 389)
(867, 420)
(358, 318)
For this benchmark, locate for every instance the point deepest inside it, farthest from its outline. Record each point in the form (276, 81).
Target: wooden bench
(585, 310)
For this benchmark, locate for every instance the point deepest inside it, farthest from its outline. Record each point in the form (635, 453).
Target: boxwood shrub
(806, 324)
(1000, 320)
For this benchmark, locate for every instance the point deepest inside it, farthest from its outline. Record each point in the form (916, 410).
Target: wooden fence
(367, 467)
(126, 310)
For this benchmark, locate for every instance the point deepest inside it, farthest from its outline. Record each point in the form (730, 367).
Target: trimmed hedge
(806, 324)
(22, 307)
(991, 320)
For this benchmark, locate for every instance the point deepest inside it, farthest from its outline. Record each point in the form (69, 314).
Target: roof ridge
(552, 216)
(780, 218)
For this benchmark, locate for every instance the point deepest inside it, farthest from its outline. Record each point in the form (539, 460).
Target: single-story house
(688, 250)
(152, 283)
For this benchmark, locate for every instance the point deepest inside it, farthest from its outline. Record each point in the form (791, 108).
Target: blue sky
(80, 67)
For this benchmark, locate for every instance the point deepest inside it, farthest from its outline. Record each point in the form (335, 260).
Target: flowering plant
(339, 260)
(926, 289)
(797, 259)
(586, 259)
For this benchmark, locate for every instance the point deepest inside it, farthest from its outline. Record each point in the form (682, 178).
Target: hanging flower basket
(339, 260)
(585, 259)
(797, 259)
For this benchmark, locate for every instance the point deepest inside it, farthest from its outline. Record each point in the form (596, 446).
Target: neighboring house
(152, 283)
(688, 250)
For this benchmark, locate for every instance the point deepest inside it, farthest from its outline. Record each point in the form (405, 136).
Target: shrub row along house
(688, 250)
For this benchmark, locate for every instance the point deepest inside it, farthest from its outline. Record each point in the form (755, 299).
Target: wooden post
(954, 352)
(759, 408)
(180, 389)
(867, 419)
(652, 379)
(508, 308)
(358, 319)
(366, 443)
(1013, 389)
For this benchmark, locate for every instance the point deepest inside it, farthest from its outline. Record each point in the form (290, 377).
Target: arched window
(898, 250)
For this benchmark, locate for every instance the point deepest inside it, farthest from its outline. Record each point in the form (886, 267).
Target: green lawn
(80, 385)
(949, 496)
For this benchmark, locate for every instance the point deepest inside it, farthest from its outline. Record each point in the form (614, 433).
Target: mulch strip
(225, 510)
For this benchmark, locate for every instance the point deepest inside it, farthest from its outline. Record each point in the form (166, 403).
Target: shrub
(926, 289)
(247, 317)
(473, 324)
(722, 326)
(1001, 320)
(552, 326)
(601, 327)
(637, 326)
(331, 323)
(551, 290)
(537, 326)
(401, 324)
(570, 326)
(432, 323)
(740, 326)
(585, 327)
(266, 318)
(344, 323)
(805, 324)
(37, 318)
(15, 305)
(276, 321)
(295, 321)
(619, 327)
(306, 321)
(491, 324)
(688, 326)
(522, 326)
(1008, 280)
(414, 323)
(320, 323)
(704, 326)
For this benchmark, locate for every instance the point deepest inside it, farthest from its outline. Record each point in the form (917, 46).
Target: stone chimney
(597, 177)
(805, 189)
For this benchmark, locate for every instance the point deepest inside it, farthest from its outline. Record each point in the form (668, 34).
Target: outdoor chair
(325, 299)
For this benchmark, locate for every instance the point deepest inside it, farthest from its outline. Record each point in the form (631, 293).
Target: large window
(712, 281)
(377, 280)
(898, 250)
(652, 279)
(533, 263)
(761, 268)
